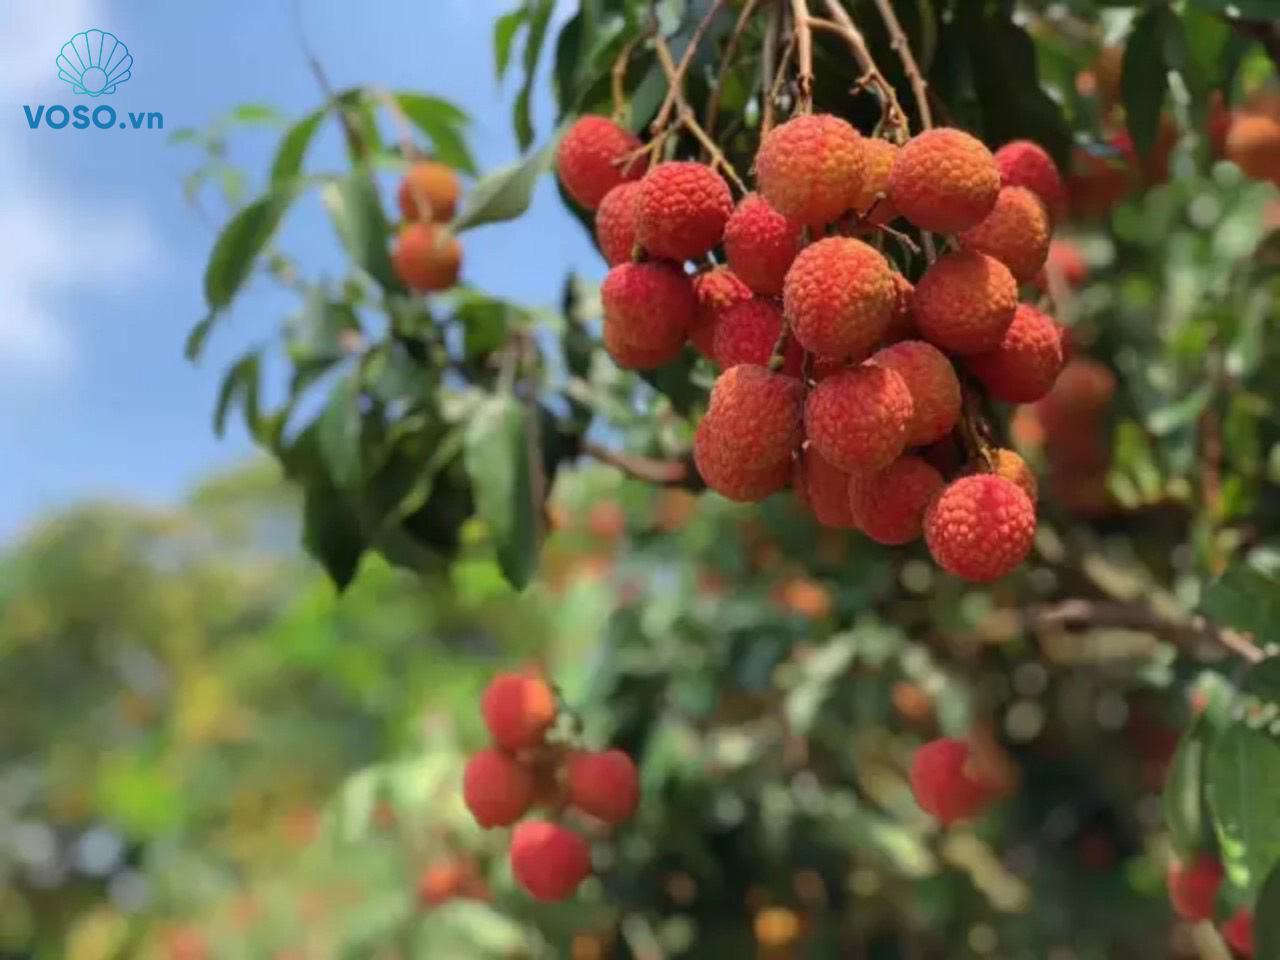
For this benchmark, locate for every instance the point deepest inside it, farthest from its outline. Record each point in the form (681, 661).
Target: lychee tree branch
(675, 76)
(898, 40)
(768, 52)
(711, 114)
(843, 25)
(804, 49)
(667, 473)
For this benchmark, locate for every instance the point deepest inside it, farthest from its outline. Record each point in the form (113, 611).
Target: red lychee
(726, 471)
(888, 505)
(1026, 164)
(857, 420)
(716, 291)
(748, 332)
(811, 168)
(1253, 145)
(965, 302)
(435, 185)
(518, 710)
(683, 208)
(824, 489)
(946, 782)
(1023, 368)
(629, 357)
(1067, 262)
(902, 324)
(879, 156)
(980, 527)
(651, 305)
(1193, 887)
(931, 380)
(944, 180)
(757, 414)
(496, 788)
(604, 784)
(590, 159)
(760, 244)
(616, 222)
(839, 296)
(548, 860)
(1238, 932)
(1015, 232)
(426, 257)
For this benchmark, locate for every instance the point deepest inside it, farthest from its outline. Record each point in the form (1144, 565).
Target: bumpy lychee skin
(824, 489)
(888, 505)
(1073, 414)
(1253, 145)
(879, 156)
(1023, 163)
(496, 788)
(1066, 262)
(518, 710)
(857, 420)
(731, 474)
(944, 180)
(934, 387)
(427, 257)
(1238, 932)
(616, 222)
(811, 168)
(589, 159)
(435, 185)
(651, 305)
(760, 244)
(1010, 465)
(548, 860)
(1193, 887)
(604, 785)
(980, 527)
(630, 357)
(1023, 368)
(945, 782)
(839, 297)
(1015, 232)
(683, 208)
(965, 302)
(902, 325)
(716, 291)
(748, 332)
(758, 413)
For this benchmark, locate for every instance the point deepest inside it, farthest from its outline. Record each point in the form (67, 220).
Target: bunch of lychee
(839, 376)
(426, 255)
(523, 769)
(1193, 891)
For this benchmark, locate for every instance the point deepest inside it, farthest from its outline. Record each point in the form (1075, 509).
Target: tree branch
(667, 473)
(843, 25)
(804, 49)
(675, 78)
(898, 40)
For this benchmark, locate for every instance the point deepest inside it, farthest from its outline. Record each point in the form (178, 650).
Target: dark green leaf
(293, 147)
(446, 451)
(1184, 814)
(1244, 599)
(194, 345)
(646, 98)
(1145, 77)
(331, 530)
(498, 460)
(1244, 795)
(539, 19)
(443, 124)
(504, 33)
(1266, 917)
(506, 193)
(314, 334)
(484, 322)
(356, 209)
(569, 63)
(338, 432)
(239, 386)
(240, 243)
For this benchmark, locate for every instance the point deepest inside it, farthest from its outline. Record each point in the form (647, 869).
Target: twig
(355, 142)
(618, 83)
(686, 117)
(675, 79)
(669, 473)
(842, 24)
(804, 48)
(767, 76)
(710, 115)
(898, 40)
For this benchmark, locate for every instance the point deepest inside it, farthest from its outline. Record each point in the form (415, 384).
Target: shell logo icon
(94, 63)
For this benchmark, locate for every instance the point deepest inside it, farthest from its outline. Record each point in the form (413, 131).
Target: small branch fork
(842, 25)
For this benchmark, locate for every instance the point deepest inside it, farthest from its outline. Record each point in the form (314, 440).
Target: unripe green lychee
(497, 789)
(944, 180)
(888, 505)
(980, 527)
(604, 784)
(946, 782)
(760, 244)
(965, 302)
(715, 290)
(857, 419)
(1015, 232)
(616, 221)
(811, 168)
(548, 860)
(1023, 368)
(590, 159)
(839, 297)
(931, 380)
(650, 305)
(683, 208)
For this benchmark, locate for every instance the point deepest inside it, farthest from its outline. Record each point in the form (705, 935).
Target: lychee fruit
(1010, 465)
(548, 860)
(980, 527)
(1253, 145)
(839, 296)
(442, 882)
(946, 782)
(726, 471)
(857, 419)
(965, 302)
(931, 380)
(1065, 260)
(435, 185)
(651, 305)
(901, 319)
(944, 180)
(497, 789)
(590, 159)
(630, 357)
(604, 784)
(683, 208)
(1193, 887)
(1015, 232)
(760, 244)
(879, 156)
(518, 709)
(1238, 932)
(812, 168)
(757, 414)
(616, 222)
(426, 257)
(1023, 368)
(888, 505)
(824, 489)
(748, 332)
(1023, 163)
(715, 291)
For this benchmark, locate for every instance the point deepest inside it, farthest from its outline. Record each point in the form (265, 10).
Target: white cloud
(51, 233)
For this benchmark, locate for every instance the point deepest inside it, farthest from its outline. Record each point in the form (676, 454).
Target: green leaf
(356, 209)
(331, 530)
(1145, 77)
(506, 193)
(293, 147)
(257, 113)
(239, 386)
(498, 461)
(1183, 798)
(314, 334)
(240, 243)
(1259, 9)
(539, 19)
(194, 345)
(338, 432)
(1244, 795)
(484, 323)
(446, 451)
(504, 34)
(1266, 918)
(1246, 600)
(443, 124)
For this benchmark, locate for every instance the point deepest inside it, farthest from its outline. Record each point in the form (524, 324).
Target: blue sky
(101, 259)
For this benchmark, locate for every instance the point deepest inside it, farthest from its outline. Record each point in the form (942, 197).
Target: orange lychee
(811, 169)
(426, 257)
(944, 180)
